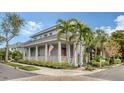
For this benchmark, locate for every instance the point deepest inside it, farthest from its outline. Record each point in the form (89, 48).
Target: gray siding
(55, 50)
(41, 50)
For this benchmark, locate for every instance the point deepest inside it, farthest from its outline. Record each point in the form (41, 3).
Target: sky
(37, 21)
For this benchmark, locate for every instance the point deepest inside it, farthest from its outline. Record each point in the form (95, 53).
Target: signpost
(101, 61)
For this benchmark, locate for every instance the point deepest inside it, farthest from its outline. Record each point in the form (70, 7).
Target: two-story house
(44, 45)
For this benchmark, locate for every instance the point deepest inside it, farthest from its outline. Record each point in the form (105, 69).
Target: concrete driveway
(114, 74)
(8, 73)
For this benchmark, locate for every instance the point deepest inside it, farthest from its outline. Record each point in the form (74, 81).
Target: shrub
(99, 57)
(89, 68)
(56, 65)
(2, 54)
(95, 63)
(117, 61)
(106, 63)
(16, 55)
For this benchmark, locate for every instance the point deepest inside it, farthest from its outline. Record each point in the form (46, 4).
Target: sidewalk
(62, 72)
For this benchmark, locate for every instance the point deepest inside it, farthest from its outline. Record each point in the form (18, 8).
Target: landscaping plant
(56, 65)
(16, 55)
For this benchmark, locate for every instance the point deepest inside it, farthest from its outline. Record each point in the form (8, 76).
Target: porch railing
(41, 57)
(50, 58)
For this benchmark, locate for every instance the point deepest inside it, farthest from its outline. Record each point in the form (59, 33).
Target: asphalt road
(113, 74)
(8, 73)
(57, 78)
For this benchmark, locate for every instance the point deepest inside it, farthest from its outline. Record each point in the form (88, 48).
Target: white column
(69, 52)
(75, 55)
(36, 53)
(29, 53)
(59, 51)
(24, 53)
(46, 51)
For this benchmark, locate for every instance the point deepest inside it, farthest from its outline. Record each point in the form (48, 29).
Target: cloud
(31, 27)
(107, 29)
(119, 21)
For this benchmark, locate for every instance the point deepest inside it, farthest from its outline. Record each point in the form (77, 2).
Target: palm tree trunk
(101, 52)
(81, 55)
(96, 52)
(73, 59)
(6, 56)
(86, 57)
(67, 52)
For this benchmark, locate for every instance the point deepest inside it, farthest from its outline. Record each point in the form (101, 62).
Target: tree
(10, 27)
(2, 39)
(85, 38)
(118, 36)
(64, 27)
(100, 39)
(16, 55)
(81, 35)
(2, 53)
(74, 32)
(112, 48)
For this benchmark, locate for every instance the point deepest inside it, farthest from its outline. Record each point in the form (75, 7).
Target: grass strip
(27, 68)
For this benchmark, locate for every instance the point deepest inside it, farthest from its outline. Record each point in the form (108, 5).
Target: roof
(45, 30)
(16, 44)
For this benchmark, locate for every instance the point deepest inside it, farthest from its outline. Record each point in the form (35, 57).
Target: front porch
(49, 51)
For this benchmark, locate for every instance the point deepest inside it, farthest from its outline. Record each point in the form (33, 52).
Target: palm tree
(85, 37)
(81, 35)
(10, 27)
(100, 39)
(64, 27)
(75, 32)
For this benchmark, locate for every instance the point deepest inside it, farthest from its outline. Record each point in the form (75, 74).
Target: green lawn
(27, 68)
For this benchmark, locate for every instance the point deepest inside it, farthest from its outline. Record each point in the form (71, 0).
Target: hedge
(56, 65)
(117, 61)
(97, 64)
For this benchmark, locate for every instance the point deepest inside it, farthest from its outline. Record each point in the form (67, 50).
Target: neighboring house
(16, 47)
(44, 45)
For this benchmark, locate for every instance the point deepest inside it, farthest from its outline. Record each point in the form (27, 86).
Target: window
(50, 34)
(45, 35)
